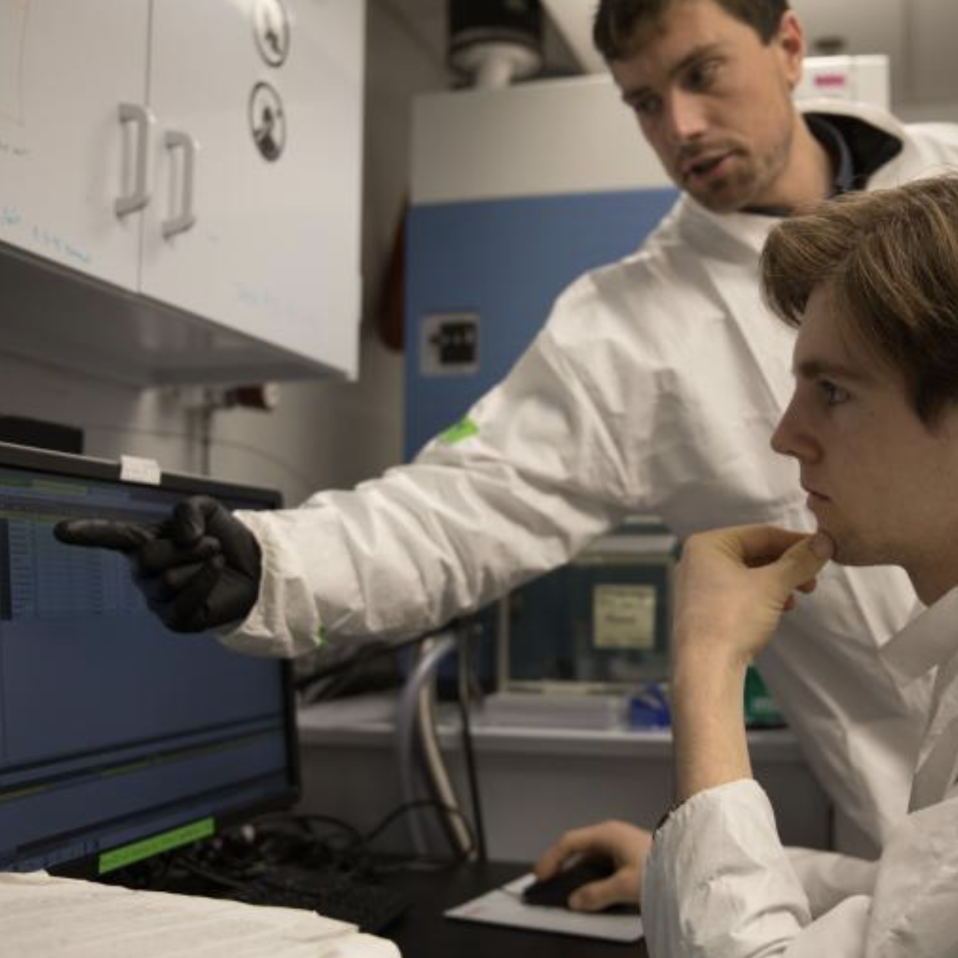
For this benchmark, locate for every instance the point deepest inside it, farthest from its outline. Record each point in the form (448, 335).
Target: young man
(872, 282)
(651, 389)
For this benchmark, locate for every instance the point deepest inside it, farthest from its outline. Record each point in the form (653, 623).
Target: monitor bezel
(69, 465)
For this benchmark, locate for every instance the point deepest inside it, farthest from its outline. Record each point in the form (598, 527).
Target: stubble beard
(752, 178)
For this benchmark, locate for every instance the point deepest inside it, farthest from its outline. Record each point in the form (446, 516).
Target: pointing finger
(104, 534)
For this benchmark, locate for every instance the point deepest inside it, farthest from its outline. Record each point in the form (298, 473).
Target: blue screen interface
(113, 728)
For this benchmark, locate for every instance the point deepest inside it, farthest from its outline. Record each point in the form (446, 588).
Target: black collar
(838, 150)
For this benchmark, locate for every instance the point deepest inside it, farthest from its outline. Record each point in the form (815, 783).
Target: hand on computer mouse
(624, 845)
(198, 569)
(556, 891)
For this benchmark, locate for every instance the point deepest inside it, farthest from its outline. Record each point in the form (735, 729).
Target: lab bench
(534, 782)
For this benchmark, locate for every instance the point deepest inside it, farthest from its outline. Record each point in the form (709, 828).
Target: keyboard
(333, 894)
(279, 866)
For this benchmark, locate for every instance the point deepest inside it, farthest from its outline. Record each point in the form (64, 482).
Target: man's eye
(647, 106)
(701, 77)
(834, 395)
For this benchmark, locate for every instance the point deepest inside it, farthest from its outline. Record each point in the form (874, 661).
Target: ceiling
(918, 35)
(426, 19)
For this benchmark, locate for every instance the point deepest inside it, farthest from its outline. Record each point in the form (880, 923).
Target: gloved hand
(198, 569)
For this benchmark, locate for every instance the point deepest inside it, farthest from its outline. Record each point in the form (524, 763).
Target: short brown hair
(619, 24)
(890, 258)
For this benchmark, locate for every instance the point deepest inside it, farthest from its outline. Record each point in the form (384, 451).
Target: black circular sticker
(267, 121)
(271, 29)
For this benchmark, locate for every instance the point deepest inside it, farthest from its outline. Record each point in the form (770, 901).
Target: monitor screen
(118, 738)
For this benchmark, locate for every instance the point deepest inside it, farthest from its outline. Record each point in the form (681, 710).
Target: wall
(945, 111)
(322, 434)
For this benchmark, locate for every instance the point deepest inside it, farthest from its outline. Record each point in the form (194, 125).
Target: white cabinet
(273, 238)
(65, 65)
(240, 124)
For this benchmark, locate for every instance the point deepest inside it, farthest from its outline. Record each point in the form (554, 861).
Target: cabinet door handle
(140, 196)
(184, 220)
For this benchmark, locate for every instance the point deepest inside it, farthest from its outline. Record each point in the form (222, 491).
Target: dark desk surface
(423, 932)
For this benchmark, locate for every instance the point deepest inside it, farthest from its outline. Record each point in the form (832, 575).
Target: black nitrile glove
(198, 569)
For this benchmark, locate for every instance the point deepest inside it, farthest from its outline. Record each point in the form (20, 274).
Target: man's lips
(703, 164)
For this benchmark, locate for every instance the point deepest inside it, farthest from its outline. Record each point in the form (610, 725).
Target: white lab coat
(654, 387)
(718, 883)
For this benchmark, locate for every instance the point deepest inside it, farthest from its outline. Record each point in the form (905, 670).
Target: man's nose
(686, 115)
(779, 442)
(791, 438)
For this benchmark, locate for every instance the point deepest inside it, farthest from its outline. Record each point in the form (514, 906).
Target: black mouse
(555, 891)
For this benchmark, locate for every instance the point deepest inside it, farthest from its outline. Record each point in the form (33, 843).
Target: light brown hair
(620, 26)
(890, 260)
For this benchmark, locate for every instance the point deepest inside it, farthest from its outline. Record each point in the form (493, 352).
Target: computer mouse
(555, 891)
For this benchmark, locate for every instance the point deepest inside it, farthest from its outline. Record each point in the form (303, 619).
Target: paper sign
(136, 469)
(623, 616)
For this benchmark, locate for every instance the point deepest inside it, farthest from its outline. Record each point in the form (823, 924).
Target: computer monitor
(118, 738)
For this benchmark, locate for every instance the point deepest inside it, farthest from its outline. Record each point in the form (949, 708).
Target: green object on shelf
(760, 708)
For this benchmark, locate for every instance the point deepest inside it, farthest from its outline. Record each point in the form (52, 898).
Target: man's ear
(790, 44)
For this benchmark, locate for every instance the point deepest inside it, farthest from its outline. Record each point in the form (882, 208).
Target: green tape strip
(137, 851)
(461, 430)
(63, 488)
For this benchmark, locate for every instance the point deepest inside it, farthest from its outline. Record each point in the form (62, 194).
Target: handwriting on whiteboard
(267, 301)
(54, 243)
(10, 216)
(14, 150)
(46, 241)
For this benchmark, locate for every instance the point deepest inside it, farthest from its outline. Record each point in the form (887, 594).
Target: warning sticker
(623, 616)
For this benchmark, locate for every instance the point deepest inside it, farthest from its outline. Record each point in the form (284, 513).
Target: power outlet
(449, 344)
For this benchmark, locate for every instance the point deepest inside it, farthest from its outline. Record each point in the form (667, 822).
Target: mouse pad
(504, 906)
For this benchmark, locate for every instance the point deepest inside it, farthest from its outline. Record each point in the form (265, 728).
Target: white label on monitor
(136, 469)
(623, 616)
